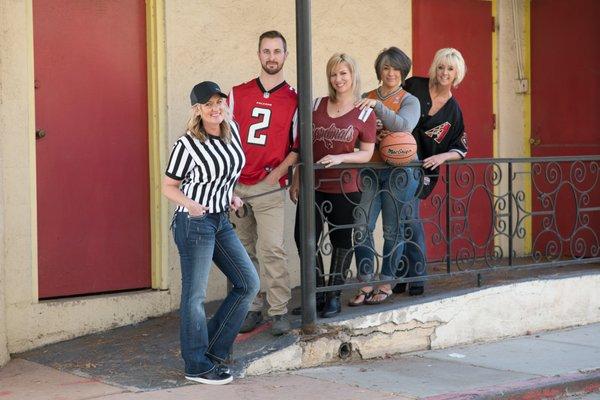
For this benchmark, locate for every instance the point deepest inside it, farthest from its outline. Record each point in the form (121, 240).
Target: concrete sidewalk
(541, 366)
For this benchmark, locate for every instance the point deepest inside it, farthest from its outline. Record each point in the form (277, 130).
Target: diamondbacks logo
(439, 132)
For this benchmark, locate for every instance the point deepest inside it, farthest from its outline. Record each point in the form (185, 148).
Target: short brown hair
(272, 35)
(395, 58)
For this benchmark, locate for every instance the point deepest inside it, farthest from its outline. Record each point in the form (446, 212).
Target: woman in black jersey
(203, 168)
(440, 135)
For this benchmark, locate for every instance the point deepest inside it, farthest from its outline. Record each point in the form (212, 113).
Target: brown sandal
(365, 296)
(372, 299)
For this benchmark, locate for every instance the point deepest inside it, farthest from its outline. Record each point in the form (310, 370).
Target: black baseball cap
(203, 91)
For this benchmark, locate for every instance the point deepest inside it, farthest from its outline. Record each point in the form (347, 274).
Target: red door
(92, 163)
(467, 26)
(565, 87)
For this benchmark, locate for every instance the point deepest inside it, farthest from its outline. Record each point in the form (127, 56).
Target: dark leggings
(337, 209)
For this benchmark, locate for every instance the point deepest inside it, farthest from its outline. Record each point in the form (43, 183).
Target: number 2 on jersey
(253, 136)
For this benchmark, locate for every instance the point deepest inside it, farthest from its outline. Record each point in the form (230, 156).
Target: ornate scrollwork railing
(484, 215)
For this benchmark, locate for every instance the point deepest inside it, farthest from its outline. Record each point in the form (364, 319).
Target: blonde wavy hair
(196, 128)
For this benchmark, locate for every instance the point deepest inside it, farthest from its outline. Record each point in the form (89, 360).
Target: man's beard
(272, 71)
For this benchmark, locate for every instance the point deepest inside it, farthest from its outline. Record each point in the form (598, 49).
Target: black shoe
(399, 288)
(253, 318)
(281, 325)
(222, 368)
(215, 376)
(320, 304)
(416, 290)
(333, 307)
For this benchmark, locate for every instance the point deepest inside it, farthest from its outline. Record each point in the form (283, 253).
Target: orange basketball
(398, 148)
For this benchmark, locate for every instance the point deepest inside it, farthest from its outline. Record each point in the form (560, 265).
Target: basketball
(398, 148)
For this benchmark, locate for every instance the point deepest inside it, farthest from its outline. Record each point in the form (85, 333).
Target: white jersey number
(253, 136)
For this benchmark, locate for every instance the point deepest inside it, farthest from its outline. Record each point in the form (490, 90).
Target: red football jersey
(268, 126)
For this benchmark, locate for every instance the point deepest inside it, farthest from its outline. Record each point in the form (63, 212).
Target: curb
(551, 387)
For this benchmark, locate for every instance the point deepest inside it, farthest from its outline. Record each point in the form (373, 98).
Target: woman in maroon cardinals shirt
(337, 126)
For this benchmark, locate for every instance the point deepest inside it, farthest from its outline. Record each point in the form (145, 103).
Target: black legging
(338, 210)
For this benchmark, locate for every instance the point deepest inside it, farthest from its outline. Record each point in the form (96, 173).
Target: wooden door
(565, 87)
(467, 26)
(92, 163)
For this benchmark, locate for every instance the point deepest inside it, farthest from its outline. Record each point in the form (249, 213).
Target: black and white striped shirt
(208, 170)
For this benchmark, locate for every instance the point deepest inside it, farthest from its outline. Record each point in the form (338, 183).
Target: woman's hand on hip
(295, 192)
(196, 209)
(236, 203)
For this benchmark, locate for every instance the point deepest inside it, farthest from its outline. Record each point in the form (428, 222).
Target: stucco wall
(512, 138)
(30, 323)
(201, 43)
(219, 43)
(3, 341)
(512, 128)
(3, 344)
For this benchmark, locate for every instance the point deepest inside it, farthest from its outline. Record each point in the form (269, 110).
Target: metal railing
(484, 215)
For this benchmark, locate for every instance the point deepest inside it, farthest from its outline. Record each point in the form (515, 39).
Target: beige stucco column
(512, 102)
(3, 343)
(4, 356)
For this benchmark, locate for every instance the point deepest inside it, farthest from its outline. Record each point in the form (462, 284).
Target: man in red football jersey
(266, 110)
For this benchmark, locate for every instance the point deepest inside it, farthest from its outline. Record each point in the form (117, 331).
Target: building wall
(30, 323)
(198, 48)
(3, 342)
(512, 105)
(217, 43)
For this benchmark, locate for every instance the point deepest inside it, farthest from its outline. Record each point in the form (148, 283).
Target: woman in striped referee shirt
(204, 166)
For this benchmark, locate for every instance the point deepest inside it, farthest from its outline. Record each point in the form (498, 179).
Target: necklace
(341, 107)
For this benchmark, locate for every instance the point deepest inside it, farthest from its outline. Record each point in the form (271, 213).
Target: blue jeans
(202, 240)
(413, 262)
(390, 191)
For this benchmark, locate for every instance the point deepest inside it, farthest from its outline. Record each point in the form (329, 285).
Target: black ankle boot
(416, 290)
(333, 306)
(319, 301)
(399, 288)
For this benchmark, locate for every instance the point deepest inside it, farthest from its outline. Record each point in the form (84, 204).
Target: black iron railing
(484, 215)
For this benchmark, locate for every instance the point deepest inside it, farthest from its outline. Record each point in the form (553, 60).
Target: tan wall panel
(3, 340)
(511, 121)
(219, 43)
(511, 125)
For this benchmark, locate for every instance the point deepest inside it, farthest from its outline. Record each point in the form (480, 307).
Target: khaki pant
(261, 231)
